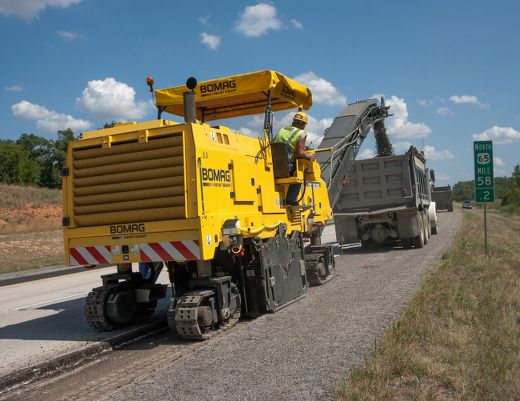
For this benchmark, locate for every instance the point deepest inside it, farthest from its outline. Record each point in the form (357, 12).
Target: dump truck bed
(378, 183)
(384, 183)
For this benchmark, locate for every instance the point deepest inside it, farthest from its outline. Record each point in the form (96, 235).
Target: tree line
(507, 189)
(34, 160)
(38, 161)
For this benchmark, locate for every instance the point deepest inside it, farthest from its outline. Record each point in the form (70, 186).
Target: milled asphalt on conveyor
(303, 351)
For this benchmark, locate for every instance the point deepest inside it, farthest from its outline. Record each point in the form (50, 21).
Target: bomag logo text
(288, 92)
(127, 228)
(212, 174)
(218, 86)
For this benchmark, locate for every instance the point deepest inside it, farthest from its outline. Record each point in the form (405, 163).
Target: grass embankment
(459, 338)
(30, 228)
(18, 197)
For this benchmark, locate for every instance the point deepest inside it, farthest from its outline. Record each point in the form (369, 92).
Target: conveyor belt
(344, 138)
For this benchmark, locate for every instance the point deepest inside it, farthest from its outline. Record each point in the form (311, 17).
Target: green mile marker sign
(484, 175)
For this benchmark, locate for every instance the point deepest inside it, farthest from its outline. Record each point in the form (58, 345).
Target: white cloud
(441, 179)
(498, 162)
(498, 172)
(433, 154)
(296, 24)
(211, 41)
(28, 9)
(204, 20)
(398, 124)
(429, 151)
(13, 88)
(424, 102)
(256, 20)
(498, 135)
(109, 100)
(48, 120)
(401, 147)
(315, 128)
(468, 99)
(256, 121)
(250, 132)
(367, 154)
(322, 90)
(444, 111)
(68, 36)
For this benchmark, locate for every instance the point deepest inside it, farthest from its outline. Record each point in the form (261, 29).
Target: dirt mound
(30, 218)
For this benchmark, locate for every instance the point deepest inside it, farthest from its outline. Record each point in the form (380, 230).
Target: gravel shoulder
(304, 350)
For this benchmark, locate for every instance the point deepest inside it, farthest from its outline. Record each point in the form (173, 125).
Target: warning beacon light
(149, 82)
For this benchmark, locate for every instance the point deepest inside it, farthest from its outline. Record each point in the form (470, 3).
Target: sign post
(484, 179)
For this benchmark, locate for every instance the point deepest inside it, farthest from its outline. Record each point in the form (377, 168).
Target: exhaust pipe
(190, 109)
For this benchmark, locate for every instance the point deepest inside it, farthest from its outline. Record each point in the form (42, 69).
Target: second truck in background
(443, 198)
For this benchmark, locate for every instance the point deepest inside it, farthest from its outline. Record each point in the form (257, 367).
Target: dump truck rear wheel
(418, 242)
(368, 244)
(407, 243)
(425, 221)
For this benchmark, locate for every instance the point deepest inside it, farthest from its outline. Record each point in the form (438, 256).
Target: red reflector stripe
(95, 253)
(183, 250)
(159, 250)
(76, 255)
(144, 257)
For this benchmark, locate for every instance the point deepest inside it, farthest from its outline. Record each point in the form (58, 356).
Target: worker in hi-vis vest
(295, 136)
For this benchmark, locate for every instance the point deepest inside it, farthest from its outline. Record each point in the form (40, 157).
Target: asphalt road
(303, 351)
(43, 319)
(299, 353)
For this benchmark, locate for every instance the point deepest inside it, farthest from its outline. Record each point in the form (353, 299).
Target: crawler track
(95, 310)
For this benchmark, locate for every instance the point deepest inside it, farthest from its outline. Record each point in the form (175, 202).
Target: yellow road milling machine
(237, 226)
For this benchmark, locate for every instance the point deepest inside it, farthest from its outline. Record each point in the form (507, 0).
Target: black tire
(144, 311)
(407, 243)
(418, 242)
(435, 230)
(426, 222)
(368, 244)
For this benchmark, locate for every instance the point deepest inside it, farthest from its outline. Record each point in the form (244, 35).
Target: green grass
(509, 209)
(459, 338)
(15, 197)
(30, 250)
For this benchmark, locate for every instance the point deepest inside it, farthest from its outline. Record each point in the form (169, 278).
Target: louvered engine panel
(129, 182)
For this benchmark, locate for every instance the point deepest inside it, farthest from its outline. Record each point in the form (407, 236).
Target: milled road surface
(43, 319)
(304, 350)
(299, 353)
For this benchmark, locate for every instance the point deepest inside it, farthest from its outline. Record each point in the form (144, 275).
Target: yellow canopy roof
(238, 95)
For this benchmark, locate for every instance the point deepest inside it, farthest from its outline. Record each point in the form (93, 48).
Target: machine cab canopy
(237, 95)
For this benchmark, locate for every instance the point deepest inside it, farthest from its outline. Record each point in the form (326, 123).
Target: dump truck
(442, 196)
(385, 199)
(235, 222)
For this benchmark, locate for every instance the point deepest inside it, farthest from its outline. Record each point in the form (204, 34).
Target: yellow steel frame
(226, 176)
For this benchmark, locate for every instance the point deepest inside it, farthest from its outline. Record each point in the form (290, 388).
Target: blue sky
(450, 70)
